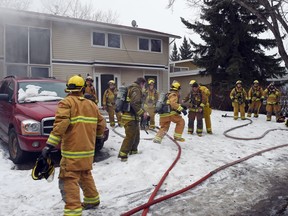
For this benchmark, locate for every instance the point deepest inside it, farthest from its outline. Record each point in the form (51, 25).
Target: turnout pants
(254, 107)
(165, 122)
(191, 118)
(270, 108)
(132, 138)
(111, 114)
(69, 185)
(238, 107)
(207, 117)
(151, 112)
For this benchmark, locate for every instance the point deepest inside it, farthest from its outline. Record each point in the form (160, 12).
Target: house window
(113, 40)
(16, 44)
(25, 46)
(39, 72)
(98, 39)
(143, 44)
(106, 39)
(153, 45)
(17, 70)
(39, 44)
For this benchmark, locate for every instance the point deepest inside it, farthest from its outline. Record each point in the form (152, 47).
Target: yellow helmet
(111, 82)
(238, 82)
(256, 82)
(75, 84)
(151, 81)
(175, 85)
(192, 82)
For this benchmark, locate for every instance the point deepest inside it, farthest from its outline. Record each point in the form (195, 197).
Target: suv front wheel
(17, 155)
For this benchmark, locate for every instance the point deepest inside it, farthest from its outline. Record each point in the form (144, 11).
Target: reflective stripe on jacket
(77, 121)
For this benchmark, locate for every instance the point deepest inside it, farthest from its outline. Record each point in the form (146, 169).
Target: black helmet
(44, 167)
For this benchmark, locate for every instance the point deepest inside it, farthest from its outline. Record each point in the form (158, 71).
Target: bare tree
(76, 9)
(276, 20)
(16, 4)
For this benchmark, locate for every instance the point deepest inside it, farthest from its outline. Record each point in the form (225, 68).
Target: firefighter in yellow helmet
(196, 99)
(255, 98)
(207, 109)
(90, 90)
(273, 96)
(172, 115)
(151, 96)
(78, 123)
(238, 96)
(108, 102)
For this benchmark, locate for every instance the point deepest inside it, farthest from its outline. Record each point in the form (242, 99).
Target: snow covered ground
(257, 186)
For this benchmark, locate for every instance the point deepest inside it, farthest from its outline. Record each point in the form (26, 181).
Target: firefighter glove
(184, 111)
(47, 150)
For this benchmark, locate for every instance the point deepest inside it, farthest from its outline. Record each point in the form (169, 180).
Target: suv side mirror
(4, 97)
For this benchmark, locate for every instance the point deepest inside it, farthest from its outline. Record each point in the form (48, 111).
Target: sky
(123, 186)
(148, 14)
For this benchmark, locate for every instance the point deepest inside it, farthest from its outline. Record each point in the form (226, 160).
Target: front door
(105, 78)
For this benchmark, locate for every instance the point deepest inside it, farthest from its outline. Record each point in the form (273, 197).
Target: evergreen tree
(175, 56)
(233, 49)
(185, 50)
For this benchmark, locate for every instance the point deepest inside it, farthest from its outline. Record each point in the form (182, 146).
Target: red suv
(27, 113)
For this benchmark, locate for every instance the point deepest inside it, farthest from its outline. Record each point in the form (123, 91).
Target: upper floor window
(106, 39)
(153, 45)
(27, 45)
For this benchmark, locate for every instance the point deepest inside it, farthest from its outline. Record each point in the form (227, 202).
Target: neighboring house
(185, 70)
(43, 45)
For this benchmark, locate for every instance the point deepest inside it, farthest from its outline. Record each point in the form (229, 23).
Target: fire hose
(153, 201)
(243, 125)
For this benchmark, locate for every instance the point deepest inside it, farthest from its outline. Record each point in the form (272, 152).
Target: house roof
(102, 25)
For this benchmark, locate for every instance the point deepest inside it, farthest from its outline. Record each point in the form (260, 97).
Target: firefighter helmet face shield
(75, 84)
(43, 168)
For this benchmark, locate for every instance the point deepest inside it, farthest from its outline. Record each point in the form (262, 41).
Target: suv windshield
(40, 91)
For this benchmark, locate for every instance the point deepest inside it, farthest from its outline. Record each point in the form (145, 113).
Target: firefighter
(109, 98)
(238, 96)
(272, 95)
(196, 101)
(131, 118)
(151, 96)
(255, 99)
(172, 115)
(90, 89)
(207, 110)
(78, 123)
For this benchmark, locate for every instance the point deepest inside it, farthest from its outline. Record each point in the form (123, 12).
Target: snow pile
(32, 94)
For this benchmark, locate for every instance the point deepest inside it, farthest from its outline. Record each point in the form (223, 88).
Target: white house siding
(64, 72)
(73, 42)
(1, 69)
(1, 41)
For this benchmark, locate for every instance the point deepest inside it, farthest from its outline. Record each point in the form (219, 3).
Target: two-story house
(43, 45)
